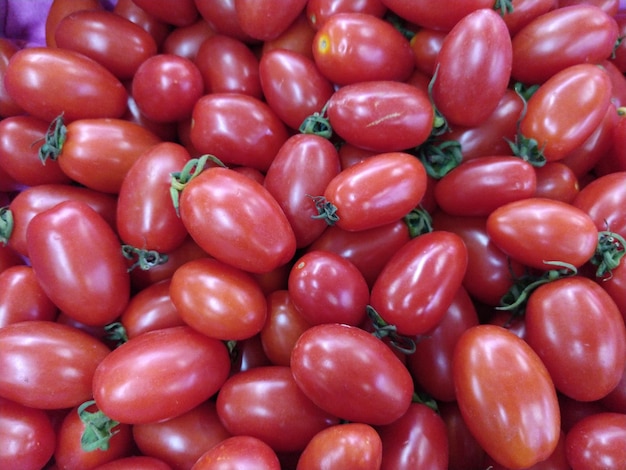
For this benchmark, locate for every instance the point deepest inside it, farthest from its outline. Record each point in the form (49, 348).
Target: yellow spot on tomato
(323, 44)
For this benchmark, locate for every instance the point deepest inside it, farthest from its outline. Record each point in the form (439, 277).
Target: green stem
(98, 428)
(317, 124)
(145, 259)
(53, 140)
(419, 222)
(425, 399)
(610, 249)
(440, 123)
(116, 333)
(382, 329)
(192, 168)
(440, 158)
(6, 224)
(326, 210)
(524, 147)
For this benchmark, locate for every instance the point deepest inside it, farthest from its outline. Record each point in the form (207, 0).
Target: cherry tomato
(238, 452)
(59, 9)
(351, 374)
(8, 106)
(435, 14)
(426, 45)
(602, 200)
(265, 19)
(298, 37)
(463, 450)
(222, 18)
(192, 367)
(185, 41)
(22, 298)
(598, 441)
(47, 365)
(157, 28)
(318, 11)
(524, 11)
(184, 14)
(556, 180)
(493, 369)
(137, 462)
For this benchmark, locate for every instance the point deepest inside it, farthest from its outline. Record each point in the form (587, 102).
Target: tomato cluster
(372, 234)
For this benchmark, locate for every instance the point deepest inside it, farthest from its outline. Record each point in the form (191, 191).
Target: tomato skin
(524, 11)
(36, 354)
(71, 80)
(59, 9)
(102, 36)
(8, 106)
(356, 47)
(22, 298)
(318, 11)
(382, 116)
(146, 218)
(418, 284)
(221, 209)
(351, 374)
(535, 230)
(477, 187)
(184, 14)
(266, 403)
(426, 45)
(434, 14)
(598, 441)
(561, 38)
(28, 438)
(265, 20)
(567, 109)
(222, 18)
(185, 41)
(238, 452)
(377, 191)
(466, 90)
(463, 450)
(138, 462)
(193, 367)
(556, 180)
(494, 369)
(586, 358)
(238, 129)
(157, 28)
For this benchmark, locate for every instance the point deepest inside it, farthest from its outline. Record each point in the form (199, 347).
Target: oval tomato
(318, 11)
(22, 298)
(137, 462)
(524, 11)
(556, 180)
(184, 14)
(185, 41)
(8, 106)
(603, 199)
(495, 370)
(436, 14)
(239, 452)
(157, 28)
(264, 19)
(597, 442)
(59, 9)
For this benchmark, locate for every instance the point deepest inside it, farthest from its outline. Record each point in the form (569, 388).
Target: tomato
(28, 438)
(382, 116)
(222, 18)
(293, 86)
(602, 200)
(22, 298)
(238, 452)
(71, 81)
(228, 65)
(351, 374)
(556, 180)
(220, 208)
(303, 166)
(266, 403)
(473, 68)
(567, 109)
(298, 37)
(375, 192)
(192, 367)
(610, 7)
(59, 9)
(351, 445)
(418, 284)
(8, 106)
(185, 41)
(524, 11)
(561, 38)
(238, 129)
(318, 11)
(535, 231)
(616, 399)
(463, 451)
(433, 14)
(596, 442)
(357, 47)
(477, 187)
(495, 370)
(182, 440)
(146, 218)
(556, 461)
(265, 19)
(426, 45)
(47, 365)
(111, 40)
(138, 462)
(57, 241)
(157, 28)
(184, 14)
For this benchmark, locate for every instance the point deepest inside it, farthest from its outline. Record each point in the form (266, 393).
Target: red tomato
(138, 462)
(556, 180)
(426, 45)
(157, 28)
(185, 41)
(266, 403)
(8, 106)
(493, 369)
(184, 14)
(351, 445)
(561, 38)
(22, 298)
(58, 241)
(473, 68)
(463, 450)
(238, 452)
(76, 86)
(418, 284)
(436, 14)
(47, 365)
(356, 47)
(318, 11)
(351, 374)
(556, 461)
(375, 192)
(192, 367)
(535, 231)
(597, 442)
(59, 9)
(524, 11)
(267, 19)
(221, 209)
(111, 40)
(603, 199)
(298, 37)
(222, 18)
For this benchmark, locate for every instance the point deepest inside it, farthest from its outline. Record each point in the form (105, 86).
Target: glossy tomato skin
(598, 441)
(433, 14)
(377, 191)
(238, 452)
(586, 358)
(556, 180)
(238, 129)
(221, 209)
(57, 242)
(47, 365)
(8, 106)
(186, 40)
(566, 109)
(193, 367)
(494, 369)
(355, 47)
(298, 37)
(266, 403)
(22, 298)
(418, 284)
(602, 199)
(563, 37)
(184, 14)
(59, 9)
(383, 116)
(351, 374)
(157, 28)
(71, 80)
(466, 90)
(463, 450)
(222, 18)
(318, 11)
(265, 20)
(137, 462)
(525, 11)
(535, 230)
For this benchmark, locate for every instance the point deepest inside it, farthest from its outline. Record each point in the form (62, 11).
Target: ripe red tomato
(463, 450)
(436, 14)
(318, 11)
(59, 9)
(351, 374)
(8, 106)
(137, 462)
(158, 28)
(238, 452)
(22, 298)
(192, 367)
(185, 41)
(556, 180)
(47, 365)
(76, 86)
(298, 37)
(473, 68)
(267, 19)
(603, 199)
(356, 47)
(184, 14)
(597, 442)
(493, 369)
(524, 11)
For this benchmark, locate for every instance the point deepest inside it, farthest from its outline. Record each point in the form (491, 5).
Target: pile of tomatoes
(376, 234)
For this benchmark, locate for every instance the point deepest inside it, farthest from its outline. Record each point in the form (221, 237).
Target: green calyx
(505, 7)
(6, 224)
(382, 329)
(116, 333)
(526, 148)
(441, 158)
(419, 222)
(53, 140)
(98, 428)
(610, 249)
(317, 124)
(144, 259)
(325, 210)
(192, 168)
